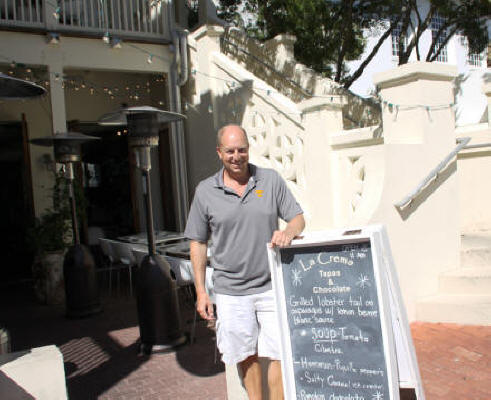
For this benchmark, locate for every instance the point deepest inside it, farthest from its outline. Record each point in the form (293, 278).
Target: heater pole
(149, 212)
(73, 206)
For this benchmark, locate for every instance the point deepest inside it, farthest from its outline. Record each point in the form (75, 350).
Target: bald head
(231, 129)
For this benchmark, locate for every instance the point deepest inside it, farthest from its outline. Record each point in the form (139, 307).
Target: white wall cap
(322, 103)
(414, 71)
(283, 39)
(208, 30)
(357, 137)
(39, 372)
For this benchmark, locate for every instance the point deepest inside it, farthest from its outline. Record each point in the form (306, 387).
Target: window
(436, 24)
(473, 59)
(396, 36)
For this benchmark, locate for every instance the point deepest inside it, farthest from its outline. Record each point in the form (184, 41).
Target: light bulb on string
(56, 13)
(106, 38)
(150, 59)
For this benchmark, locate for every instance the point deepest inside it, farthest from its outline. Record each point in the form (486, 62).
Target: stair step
(472, 281)
(478, 239)
(476, 257)
(460, 309)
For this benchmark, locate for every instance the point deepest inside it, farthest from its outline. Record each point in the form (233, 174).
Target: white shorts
(247, 325)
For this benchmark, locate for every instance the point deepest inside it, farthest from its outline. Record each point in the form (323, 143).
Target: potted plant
(49, 238)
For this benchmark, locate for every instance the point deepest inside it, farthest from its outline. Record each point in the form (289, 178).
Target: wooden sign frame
(399, 355)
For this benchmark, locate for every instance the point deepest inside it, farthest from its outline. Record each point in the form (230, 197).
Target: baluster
(110, 5)
(30, 11)
(125, 18)
(86, 14)
(132, 16)
(23, 16)
(138, 14)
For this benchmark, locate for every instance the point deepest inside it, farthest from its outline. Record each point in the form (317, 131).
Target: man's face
(234, 151)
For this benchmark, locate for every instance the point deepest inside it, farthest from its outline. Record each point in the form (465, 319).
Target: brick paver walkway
(454, 360)
(101, 360)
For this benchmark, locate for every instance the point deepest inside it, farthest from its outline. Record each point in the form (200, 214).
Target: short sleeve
(197, 223)
(288, 207)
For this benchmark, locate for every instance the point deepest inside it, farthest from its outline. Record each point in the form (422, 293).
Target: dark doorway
(106, 179)
(16, 209)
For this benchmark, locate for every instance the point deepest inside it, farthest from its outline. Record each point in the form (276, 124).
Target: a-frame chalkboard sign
(344, 330)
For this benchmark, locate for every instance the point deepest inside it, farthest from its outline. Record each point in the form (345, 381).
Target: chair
(120, 257)
(139, 253)
(126, 259)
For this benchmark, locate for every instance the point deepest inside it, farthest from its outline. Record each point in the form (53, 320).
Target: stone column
(321, 117)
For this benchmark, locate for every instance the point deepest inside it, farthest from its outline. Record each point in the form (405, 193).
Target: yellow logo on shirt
(259, 193)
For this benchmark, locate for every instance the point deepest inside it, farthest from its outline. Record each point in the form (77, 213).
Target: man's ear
(218, 152)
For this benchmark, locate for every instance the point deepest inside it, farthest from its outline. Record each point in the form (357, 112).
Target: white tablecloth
(184, 272)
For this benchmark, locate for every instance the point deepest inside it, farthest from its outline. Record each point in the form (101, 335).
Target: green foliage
(51, 230)
(331, 32)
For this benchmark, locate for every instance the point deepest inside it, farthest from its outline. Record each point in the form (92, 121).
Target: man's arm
(285, 237)
(198, 261)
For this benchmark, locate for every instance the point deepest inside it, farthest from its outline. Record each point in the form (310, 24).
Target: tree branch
(369, 58)
(441, 46)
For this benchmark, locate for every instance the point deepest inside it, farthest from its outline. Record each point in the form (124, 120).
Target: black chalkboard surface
(334, 319)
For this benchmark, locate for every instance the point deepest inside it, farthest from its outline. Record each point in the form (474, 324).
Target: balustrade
(125, 18)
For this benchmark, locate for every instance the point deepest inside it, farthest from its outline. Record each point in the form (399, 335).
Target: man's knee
(274, 373)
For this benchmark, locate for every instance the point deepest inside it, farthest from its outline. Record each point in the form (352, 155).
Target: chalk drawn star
(296, 277)
(363, 281)
(377, 396)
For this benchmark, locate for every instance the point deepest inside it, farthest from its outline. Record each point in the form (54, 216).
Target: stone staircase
(464, 294)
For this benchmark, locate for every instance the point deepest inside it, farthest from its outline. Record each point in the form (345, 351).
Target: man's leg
(274, 381)
(251, 376)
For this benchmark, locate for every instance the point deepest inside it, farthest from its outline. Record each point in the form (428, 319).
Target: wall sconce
(116, 43)
(52, 38)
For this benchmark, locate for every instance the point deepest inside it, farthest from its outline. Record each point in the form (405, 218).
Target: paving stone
(102, 361)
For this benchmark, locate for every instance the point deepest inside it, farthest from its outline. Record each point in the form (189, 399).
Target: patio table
(161, 237)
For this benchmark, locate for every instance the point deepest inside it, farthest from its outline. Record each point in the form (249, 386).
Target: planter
(49, 284)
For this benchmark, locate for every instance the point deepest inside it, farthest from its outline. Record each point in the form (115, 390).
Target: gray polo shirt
(240, 227)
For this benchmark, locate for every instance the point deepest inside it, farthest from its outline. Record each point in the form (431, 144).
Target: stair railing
(462, 143)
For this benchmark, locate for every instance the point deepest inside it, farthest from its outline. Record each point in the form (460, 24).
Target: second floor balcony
(147, 20)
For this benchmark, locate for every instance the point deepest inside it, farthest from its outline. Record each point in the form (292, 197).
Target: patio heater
(157, 300)
(14, 88)
(81, 291)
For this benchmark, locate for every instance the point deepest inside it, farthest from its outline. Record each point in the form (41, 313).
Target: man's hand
(281, 238)
(285, 237)
(205, 307)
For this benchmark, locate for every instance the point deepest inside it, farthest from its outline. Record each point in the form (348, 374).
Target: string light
(230, 83)
(106, 38)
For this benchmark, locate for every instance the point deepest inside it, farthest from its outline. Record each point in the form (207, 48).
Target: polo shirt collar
(219, 176)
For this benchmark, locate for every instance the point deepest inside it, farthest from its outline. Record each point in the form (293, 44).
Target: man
(239, 208)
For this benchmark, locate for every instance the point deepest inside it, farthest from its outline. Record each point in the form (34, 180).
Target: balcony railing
(142, 19)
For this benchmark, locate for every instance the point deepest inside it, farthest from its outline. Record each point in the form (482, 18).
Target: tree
(330, 33)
